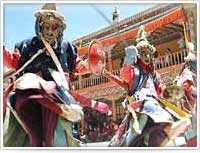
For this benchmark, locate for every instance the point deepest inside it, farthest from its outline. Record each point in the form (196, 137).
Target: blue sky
(81, 19)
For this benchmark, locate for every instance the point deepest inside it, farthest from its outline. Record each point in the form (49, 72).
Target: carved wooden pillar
(114, 111)
(110, 61)
(114, 97)
(191, 13)
(80, 82)
(82, 126)
(192, 22)
(188, 30)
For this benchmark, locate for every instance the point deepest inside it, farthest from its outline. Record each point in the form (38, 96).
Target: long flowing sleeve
(85, 102)
(127, 74)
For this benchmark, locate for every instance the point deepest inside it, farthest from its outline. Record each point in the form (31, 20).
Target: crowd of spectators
(98, 127)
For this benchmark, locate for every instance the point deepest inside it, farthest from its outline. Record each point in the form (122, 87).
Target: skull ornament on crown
(50, 23)
(145, 50)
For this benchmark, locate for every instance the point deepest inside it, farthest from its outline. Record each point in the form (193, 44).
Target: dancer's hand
(72, 112)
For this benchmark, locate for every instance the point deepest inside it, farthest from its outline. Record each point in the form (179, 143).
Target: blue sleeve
(70, 53)
(74, 57)
(24, 48)
(19, 46)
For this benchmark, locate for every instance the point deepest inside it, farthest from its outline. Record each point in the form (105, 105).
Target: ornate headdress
(49, 10)
(142, 41)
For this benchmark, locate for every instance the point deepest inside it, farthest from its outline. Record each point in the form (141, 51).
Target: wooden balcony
(97, 87)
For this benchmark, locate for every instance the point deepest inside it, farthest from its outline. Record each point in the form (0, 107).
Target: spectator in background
(167, 57)
(75, 131)
(106, 131)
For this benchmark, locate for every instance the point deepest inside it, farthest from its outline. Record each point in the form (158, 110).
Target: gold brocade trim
(136, 126)
(174, 108)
